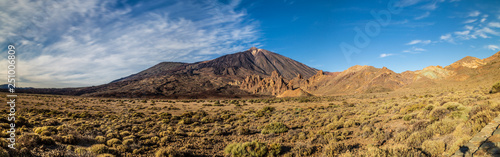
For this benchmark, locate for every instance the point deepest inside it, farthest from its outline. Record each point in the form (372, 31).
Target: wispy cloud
(415, 50)
(474, 29)
(462, 32)
(383, 55)
(484, 32)
(492, 47)
(447, 37)
(413, 42)
(494, 24)
(474, 14)
(484, 18)
(406, 3)
(470, 20)
(90, 42)
(426, 14)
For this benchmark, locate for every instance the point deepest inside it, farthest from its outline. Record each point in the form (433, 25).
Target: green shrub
(100, 139)
(69, 139)
(274, 150)
(442, 127)
(81, 151)
(276, 127)
(413, 107)
(439, 113)
(434, 147)
(402, 150)
(125, 133)
(397, 150)
(408, 117)
(334, 149)
(106, 155)
(128, 141)
(40, 130)
(265, 111)
(416, 138)
(479, 120)
(99, 149)
(241, 130)
(302, 149)
(254, 149)
(495, 88)
(113, 141)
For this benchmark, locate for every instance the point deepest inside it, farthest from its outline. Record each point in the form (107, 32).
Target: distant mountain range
(258, 72)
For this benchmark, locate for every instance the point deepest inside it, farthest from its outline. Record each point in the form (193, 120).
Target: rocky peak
(254, 50)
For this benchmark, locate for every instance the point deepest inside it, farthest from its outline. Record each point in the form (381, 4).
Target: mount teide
(220, 77)
(258, 72)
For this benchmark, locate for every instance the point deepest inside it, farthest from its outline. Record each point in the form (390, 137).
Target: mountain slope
(220, 77)
(368, 79)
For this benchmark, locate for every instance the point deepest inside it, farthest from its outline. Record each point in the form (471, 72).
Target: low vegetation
(426, 123)
(495, 88)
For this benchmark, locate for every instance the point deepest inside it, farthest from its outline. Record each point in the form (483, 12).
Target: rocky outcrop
(274, 85)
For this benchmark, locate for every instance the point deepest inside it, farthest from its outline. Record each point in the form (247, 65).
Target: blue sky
(92, 42)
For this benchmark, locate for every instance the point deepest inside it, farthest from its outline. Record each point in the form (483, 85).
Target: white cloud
(484, 32)
(483, 19)
(445, 37)
(492, 47)
(494, 24)
(419, 49)
(467, 27)
(415, 50)
(383, 55)
(474, 14)
(470, 21)
(91, 42)
(463, 32)
(406, 3)
(426, 14)
(413, 42)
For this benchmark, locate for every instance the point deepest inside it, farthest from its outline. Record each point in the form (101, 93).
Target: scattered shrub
(254, 148)
(438, 113)
(334, 149)
(274, 150)
(302, 149)
(168, 152)
(495, 88)
(106, 155)
(99, 149)
(113, 142)
(69, 139)
(128, 141)
(276, 127)
(434, 147)
(80, 151)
